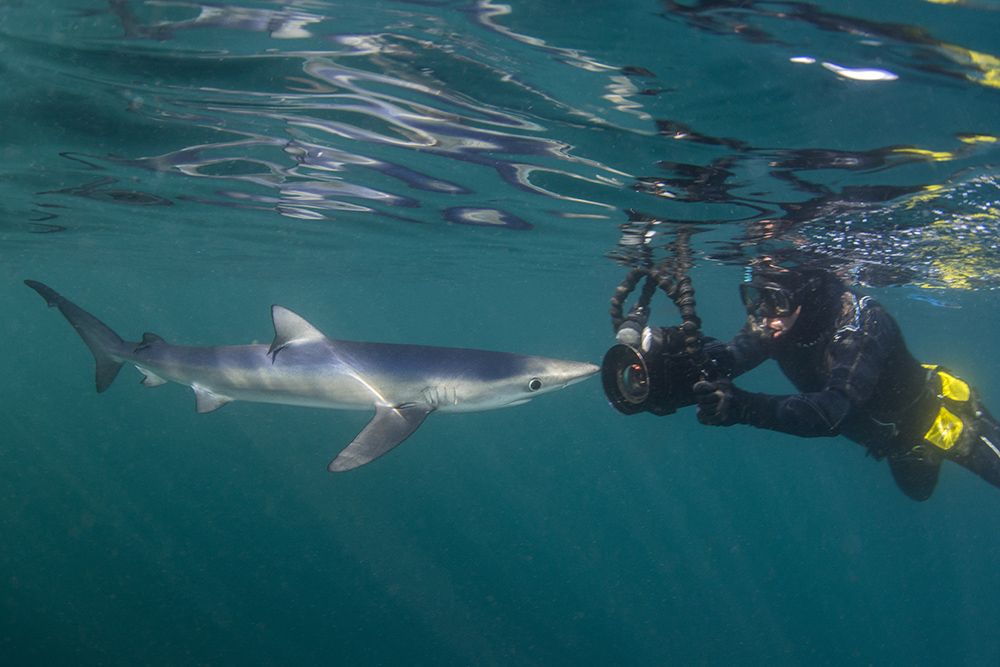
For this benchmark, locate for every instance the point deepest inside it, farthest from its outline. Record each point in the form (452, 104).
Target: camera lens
(626, 380)
(634, 383)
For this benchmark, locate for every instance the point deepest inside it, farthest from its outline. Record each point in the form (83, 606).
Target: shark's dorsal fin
(149, 340)
(290, 328)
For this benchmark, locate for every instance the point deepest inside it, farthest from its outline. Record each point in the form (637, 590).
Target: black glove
(720, 403)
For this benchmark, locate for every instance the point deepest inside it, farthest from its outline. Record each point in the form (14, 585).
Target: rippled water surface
(475, 174)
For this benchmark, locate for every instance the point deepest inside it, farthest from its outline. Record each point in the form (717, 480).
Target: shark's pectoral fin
(206, 401)
(389, 427)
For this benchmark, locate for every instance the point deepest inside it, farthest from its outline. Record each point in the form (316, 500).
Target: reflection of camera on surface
(656, 375)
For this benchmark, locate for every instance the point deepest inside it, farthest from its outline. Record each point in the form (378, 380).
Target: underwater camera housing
(657, 376)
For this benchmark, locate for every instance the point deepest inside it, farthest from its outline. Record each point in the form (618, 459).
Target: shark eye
(535, 384)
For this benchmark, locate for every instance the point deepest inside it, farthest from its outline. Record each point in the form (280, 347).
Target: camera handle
(628, 328)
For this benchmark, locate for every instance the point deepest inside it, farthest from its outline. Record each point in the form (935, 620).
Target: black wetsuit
(858, 379)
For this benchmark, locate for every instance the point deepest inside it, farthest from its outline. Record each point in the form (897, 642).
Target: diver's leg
(983, 457)
(915, 471)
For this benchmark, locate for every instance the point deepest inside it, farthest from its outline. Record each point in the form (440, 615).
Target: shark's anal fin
(290, 328)
(389, 427)
(150, 379)
(206, 401)
(150, 341)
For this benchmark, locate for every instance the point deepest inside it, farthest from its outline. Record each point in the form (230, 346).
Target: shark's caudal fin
(102, 341)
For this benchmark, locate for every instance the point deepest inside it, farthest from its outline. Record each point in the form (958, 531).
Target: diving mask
(767, 299)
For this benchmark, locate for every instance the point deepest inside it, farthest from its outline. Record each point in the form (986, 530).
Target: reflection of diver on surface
(847, 356)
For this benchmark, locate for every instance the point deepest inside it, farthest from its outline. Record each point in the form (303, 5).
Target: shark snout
(572, 372)
(583, 373)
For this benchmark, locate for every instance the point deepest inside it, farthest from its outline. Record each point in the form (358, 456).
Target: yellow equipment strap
(945, 430)
(951, 387)
(947, 427)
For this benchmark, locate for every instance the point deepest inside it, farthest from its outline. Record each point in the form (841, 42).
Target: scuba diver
(847, 357)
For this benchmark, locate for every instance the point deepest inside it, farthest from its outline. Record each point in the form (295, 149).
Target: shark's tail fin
(102, 341)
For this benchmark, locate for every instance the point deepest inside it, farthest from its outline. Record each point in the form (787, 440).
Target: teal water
(468, 173)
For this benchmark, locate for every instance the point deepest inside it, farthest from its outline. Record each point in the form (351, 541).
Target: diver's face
(780, 326)
(771, 308)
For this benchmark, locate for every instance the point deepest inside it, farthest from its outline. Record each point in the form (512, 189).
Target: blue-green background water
(459, 173)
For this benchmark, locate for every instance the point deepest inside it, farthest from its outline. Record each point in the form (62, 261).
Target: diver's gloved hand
(720, 403)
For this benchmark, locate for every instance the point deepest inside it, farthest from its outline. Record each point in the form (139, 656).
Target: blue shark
(931, 300)
(403, 383)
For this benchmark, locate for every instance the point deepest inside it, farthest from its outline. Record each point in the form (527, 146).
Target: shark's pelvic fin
(290, 328)
(102, 341)
(206, 401)
(389, 427)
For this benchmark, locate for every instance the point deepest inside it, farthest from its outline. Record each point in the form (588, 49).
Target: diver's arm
(812, 415)
(855, 357)
(742, 354)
